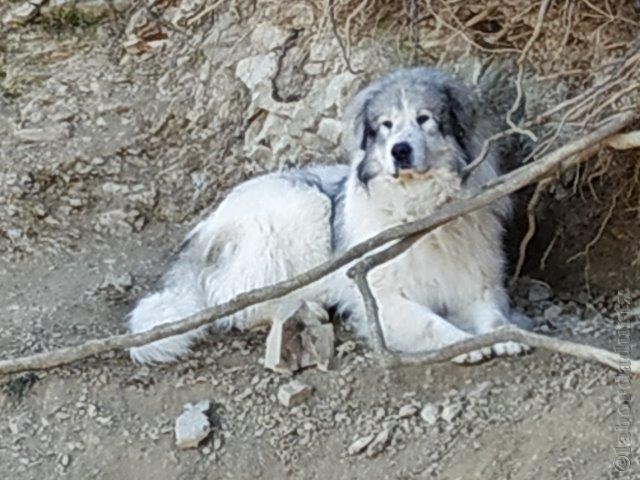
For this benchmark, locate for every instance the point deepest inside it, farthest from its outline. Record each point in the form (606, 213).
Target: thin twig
(511, 333)
(491, 191)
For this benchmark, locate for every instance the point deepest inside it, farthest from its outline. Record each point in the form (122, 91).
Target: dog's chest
(448, 263)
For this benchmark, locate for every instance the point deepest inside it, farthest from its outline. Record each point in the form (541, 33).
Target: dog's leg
(485, 316)
(411, 327)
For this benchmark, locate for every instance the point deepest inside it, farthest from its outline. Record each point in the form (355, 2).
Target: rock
(539, 291)
(21, 14)
(379, 443)
(330, 130)
(267, 37)
(45, 134)
(407, 411)
(301, 341)
(255, 70)
(193, 425)
(451, 412)
(346, 347)
(552, 313)
(360, 444)
(65, 460)
(429, 414)
(121, 283)
(294, 393)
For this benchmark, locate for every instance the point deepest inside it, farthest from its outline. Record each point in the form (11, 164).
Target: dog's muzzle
(402, 154)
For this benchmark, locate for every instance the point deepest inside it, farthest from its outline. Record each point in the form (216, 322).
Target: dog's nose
(402, 154)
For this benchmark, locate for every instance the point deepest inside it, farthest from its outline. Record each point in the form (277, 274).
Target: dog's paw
(509, 348)
(476, 356)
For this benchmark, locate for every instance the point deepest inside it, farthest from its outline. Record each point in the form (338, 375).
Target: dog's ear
(357, 128)
(461, 113)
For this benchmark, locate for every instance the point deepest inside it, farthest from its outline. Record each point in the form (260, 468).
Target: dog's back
(266, 230)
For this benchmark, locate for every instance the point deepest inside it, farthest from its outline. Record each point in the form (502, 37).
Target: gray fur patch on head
(421, 88)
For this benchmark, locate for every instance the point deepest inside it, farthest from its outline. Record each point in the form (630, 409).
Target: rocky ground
(120, 126)
(540, 416)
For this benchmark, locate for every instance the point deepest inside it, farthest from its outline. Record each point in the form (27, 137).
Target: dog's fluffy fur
(447, 287)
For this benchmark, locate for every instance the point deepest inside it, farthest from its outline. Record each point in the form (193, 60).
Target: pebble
(193, 425)
(407, 411)
(294, 393)
(360, 444)
(429, 414)
(451, 412)
(379, 443)
(539, 291)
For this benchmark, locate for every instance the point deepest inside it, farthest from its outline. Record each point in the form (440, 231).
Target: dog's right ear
(357, 128)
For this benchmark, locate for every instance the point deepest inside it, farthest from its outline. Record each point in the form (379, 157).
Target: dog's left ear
(461, 112)
(357, 129)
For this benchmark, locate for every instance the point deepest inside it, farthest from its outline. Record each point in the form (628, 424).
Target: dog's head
(409, 123)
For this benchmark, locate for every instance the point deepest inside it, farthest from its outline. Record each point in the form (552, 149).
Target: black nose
(402, 154)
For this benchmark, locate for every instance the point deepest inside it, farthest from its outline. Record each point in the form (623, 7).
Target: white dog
(408, 134)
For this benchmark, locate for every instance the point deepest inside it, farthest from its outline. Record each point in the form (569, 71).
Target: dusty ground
(107, 155)
(540, 416)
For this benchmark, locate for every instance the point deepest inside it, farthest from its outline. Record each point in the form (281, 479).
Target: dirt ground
(120, 126)
(539, 416)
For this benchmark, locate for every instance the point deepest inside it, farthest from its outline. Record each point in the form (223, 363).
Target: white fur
(266, 230)
(445, 288)
(456, 269)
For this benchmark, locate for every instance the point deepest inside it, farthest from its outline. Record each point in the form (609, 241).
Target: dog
(409, 135)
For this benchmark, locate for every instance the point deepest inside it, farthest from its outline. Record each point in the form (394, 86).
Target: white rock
(193, 425)
(46, 134)
(257, 69)
(330, 129)
(379, 443)
(407, 411)
(294, 393)
(267, 37)
(429, 414)
(301, 341)
(451, 412)
(360, 444)
(20, 14)
(552, 313)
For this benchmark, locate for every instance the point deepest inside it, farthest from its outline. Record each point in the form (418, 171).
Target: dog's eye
(422, 119)
(387, 124)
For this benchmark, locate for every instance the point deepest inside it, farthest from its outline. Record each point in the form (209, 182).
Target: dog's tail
(181, 297)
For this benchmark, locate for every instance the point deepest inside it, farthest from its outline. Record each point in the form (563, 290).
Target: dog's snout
(402, 153)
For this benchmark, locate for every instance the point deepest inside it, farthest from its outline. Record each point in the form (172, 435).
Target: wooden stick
(490, 192)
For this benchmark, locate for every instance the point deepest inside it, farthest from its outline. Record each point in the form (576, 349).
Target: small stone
(379, 443)
(407, 411)
(330, 130)
(294, 393)
(451, 412)
(552, 313)
(47, 134)
(360, 444)
(120, 283)
(21, 14)
(429, 414)
(65, 460)
(193, 425)
(267, 37)
(572, 381)
(346, 347)
(539, 291)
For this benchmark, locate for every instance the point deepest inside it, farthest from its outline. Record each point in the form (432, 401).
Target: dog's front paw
(476, 356)
(509, 348)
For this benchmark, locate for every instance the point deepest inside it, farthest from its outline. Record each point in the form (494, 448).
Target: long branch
(493, 190)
